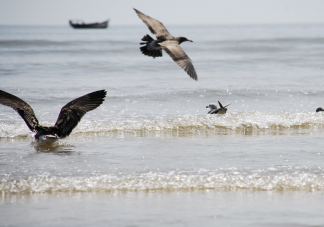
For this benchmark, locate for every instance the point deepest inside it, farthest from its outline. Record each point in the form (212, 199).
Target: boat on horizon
(81, 24)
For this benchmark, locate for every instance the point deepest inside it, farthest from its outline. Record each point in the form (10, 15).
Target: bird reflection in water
(50, 145)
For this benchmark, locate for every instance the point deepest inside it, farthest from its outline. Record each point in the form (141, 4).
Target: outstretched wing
(21, 107)
(221, 106)
(72, 112)
(155, 26)
(214, 111)
(180, 57)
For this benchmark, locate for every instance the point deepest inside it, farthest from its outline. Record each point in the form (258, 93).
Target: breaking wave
(296, 179)
(232, 123)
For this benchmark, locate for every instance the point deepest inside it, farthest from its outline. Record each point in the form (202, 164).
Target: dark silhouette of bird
(319, 109)
(67, 120)
(215, 110)
(165, 41)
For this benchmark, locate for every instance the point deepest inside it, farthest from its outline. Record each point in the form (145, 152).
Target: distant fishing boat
(81, 24)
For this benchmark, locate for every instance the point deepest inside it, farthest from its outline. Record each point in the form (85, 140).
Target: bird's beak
(190, 40)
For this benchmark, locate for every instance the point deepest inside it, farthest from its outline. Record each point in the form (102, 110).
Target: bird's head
(183, 39)
(212, 106)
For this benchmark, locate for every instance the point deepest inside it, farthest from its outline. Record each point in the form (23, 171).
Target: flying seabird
(319, 109)
(214, 110)
(67, 120)
(167, 42)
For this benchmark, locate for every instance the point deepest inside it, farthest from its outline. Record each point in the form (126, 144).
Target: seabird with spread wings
(67, 120)
(165, 41)
(214, 110)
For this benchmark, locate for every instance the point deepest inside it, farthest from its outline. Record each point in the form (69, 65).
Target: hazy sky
(58, 12)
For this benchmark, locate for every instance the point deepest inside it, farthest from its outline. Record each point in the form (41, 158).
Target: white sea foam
(231, 123)
(169, 181)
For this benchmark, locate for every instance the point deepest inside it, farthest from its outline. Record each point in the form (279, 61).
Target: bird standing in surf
(165, 41)
(67, 120)
(214, 110)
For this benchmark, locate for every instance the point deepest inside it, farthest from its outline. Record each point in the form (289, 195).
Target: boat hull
(87, 26)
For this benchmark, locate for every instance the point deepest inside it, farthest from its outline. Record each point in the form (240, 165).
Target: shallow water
(207, 208)
(150, 155)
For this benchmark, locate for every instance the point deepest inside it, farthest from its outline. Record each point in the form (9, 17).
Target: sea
(150, 155)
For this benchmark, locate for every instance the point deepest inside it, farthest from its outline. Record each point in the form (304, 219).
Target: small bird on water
(165, 41)
(215, 110)
(319, 109)
(67, 120)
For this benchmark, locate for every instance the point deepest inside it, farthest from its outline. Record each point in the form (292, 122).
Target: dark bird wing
(221, 106)
(214, 111)
(155, 26)
(180, 57)
(319, 109)
(72, 112)
(21, 107)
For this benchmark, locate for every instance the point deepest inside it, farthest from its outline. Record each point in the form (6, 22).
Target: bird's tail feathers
(151, 53)
(147, 38)
(150, 49)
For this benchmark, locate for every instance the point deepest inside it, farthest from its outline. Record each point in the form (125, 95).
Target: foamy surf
(265, 180)
(232, 123)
